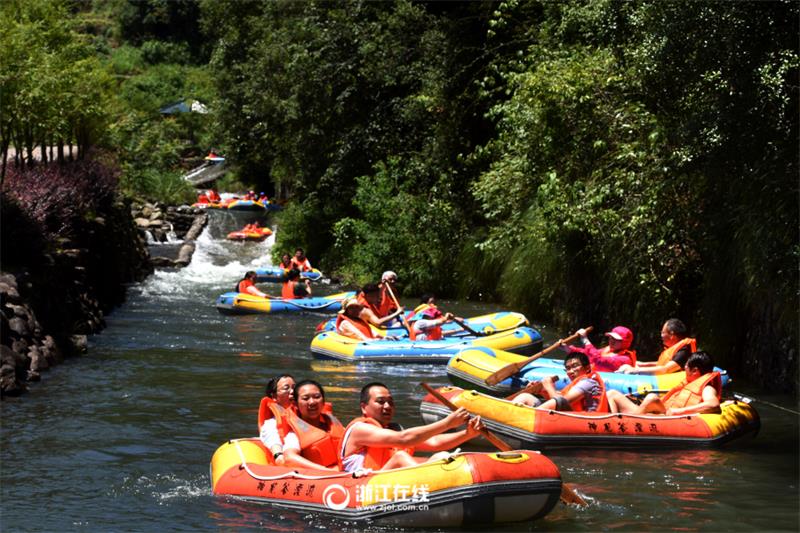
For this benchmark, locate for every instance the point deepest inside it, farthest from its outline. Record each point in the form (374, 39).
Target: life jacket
(630, 353)
(374, 457)
(687, 394)
(359, 324)
(386, 304)
(213, 196)
(666, 355)
(202, 199)
(243, 285)
(363, 301)
(318, 445)
(269, 408)
(287, 292)
(602, 401)
(303, 266)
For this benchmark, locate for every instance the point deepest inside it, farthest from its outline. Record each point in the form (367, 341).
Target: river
(121, 439)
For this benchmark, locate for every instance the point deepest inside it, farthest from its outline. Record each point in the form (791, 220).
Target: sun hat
(621, 333)
(388, 274)
(349, 302)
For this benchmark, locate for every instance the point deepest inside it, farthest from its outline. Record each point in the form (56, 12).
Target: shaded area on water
(121, 440)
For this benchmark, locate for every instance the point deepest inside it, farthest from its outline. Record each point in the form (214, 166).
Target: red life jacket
(363, 301)
(303, 266)
(287, 291)
(386, 304)
(213, 196)
(318, 445)
(359, 324)
(630, 353)
(269, 408)
(375, 457)
(602, 401)
(687, 394)
(666, 355)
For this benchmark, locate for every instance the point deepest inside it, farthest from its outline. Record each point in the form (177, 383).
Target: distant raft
(525, 426)
(332, 345)
(470, 368)
(462, 491)
(276, 274)
(237, 303)
(484, 324)
(247, 205)
(258, 234)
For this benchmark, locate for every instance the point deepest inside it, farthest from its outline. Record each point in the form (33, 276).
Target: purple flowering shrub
(59, 199)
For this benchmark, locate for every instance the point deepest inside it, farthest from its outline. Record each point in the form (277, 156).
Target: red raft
(462, 490)
(250, 233)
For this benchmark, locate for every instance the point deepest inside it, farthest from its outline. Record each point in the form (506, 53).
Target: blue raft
(276, 274)
(332, 345)
(236, 303)
(470, 368)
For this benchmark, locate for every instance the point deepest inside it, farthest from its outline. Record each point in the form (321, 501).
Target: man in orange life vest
(294, 288)
(370, 299)
(613, 356)
(699, 393)
(300, 261)
(585, 392)
(677, 349)
(372, 441)
(247, 285)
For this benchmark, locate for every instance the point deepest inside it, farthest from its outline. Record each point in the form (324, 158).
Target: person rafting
(300, 261)
(700, 392)
(247, 285)
(263, 198)
(372, 441)
(274, 405)
(370, 299)
(678, 346)
(312, 435)
(585, 392)
(349, 322)
(611, 357)
(286, 262)
(293, 288)
(387, 304)
(427, 324)
(213, 196)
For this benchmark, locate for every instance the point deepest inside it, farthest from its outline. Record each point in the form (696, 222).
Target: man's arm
(446, 441)
(709, 404)
(369, 435)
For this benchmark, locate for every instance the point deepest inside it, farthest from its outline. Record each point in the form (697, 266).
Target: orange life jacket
(202, 199)
(269, 408)
(374, 457)
(363, 301)
(213, 196)
(359, 324)
(243, 285)
(666, 355)
(287, 291)
(687, 394)
(303, 266)
(602, 401)
(630, 353)
(387, 303)
(318, 445)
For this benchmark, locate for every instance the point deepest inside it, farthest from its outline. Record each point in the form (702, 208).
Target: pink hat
(432, 312)
(621, 333)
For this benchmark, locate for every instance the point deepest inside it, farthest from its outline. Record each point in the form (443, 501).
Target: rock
(163, 262)
(142, 223)
(146, 211)
(34, 376)
(79, 344)
(20, 346)
(19, 326)
(38, 360)
(185, 254)
(155, 215)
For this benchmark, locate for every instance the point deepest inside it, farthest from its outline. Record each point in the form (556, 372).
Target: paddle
(466, 326)
(568, 494)
(411, 334)
(513, 368)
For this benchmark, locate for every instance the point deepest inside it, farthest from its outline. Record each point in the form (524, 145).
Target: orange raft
(250, 233)
(525, 426)
(462, 490)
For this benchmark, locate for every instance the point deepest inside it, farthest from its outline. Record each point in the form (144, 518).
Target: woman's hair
(272, 385)
(300, 384)
(250, 274)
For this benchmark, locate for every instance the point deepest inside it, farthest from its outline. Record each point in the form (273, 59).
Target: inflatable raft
(250, 235)
(246, 205)
(489, 323)
(461, 491)
(332, 345)
(237, 303)
(525, 426)
(278, 275)
(471, 367)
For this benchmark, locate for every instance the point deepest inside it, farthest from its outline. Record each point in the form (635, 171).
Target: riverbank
(50, 302)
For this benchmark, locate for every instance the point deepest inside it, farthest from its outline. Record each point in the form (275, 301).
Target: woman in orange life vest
(370, 297)
(286, 262)
(699, 393)
(677, 349)
(312, 437)
(613, 356)
(247, 285)
(586, 391)
(300, 261)
(294, 288)
(272, 412)
(373, 441)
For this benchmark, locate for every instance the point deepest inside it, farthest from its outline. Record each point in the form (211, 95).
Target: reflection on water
(134, 424)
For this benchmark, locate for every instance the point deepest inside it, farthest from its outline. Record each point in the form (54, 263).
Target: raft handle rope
(747, 399)
(292, 474)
